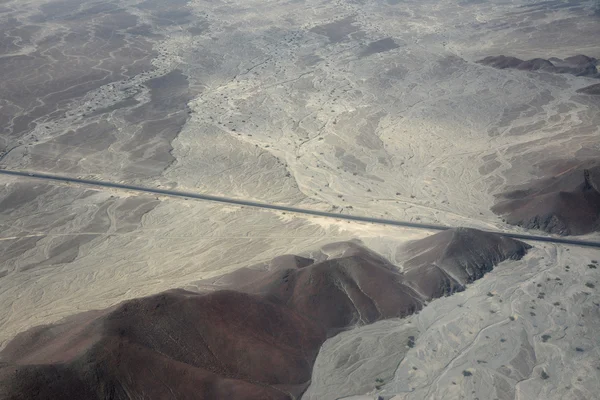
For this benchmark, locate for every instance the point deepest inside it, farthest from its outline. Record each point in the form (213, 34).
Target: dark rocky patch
(593, 90)
(337, 31)
(545, 375)
(379, 46)
(579, 65)
(161, 119)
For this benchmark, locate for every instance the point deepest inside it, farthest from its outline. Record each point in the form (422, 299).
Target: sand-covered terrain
(382, 108)
(527, 330)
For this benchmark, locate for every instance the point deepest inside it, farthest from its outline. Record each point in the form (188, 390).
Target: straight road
(305, 211)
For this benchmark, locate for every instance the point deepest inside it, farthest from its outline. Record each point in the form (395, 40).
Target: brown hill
(580, 60)
(566, 204)
(258, 341)
(177, 344)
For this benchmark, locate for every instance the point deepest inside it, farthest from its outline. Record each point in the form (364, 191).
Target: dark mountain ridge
(251, 334)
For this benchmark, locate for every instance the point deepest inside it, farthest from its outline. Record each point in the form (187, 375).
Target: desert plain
(478, 115)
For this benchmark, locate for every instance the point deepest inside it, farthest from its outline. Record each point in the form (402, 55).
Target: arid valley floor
(482, 116)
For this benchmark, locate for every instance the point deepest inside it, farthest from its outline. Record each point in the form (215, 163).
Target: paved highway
(248, 203)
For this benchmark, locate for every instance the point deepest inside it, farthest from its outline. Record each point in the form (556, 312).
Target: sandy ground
(520, 320)
(83, 249)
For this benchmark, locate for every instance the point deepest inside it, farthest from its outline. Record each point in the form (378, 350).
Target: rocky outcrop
(566, 204)
(251, 334)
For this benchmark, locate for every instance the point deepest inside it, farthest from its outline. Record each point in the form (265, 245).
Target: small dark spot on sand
(545, 338)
